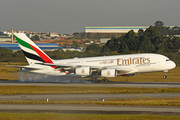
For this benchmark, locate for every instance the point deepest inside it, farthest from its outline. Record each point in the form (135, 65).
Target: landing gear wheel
(106, 80)
(94, 81)
(164, 76)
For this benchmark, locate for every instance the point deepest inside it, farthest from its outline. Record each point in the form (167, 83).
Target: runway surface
(95, 109)
(90, 109)
(110, 84)
(86, 96)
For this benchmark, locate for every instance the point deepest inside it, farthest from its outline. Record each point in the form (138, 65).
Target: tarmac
(90, 109)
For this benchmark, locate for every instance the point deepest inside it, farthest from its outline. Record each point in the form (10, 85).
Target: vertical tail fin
(31, 51)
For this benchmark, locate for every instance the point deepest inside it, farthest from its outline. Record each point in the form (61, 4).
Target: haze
(68, 16)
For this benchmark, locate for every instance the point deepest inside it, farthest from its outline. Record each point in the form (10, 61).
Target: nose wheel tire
(164, 76)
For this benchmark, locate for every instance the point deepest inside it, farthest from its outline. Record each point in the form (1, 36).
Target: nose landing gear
(164, 76)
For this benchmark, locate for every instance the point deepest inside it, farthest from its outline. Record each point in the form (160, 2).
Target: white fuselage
(138, 63)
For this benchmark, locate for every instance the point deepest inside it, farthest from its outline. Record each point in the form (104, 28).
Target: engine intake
(109, 73)
(83, 71)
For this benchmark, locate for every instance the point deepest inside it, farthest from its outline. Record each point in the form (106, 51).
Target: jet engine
(83, 71)
(109, 73)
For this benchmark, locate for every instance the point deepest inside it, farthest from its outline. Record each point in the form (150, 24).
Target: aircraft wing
(96, 68)
(70, 65)
(27, 67)
(60, 65)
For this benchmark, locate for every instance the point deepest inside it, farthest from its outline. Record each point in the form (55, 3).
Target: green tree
(89, 35)
(131, 40)
(83, 35)
(35, 38)
(125, 48)
(140, 32)
(90, 52)
(75, 44)
(146, 45)
(94, 48)
(155, 37)
(158, 24)
(112, 45)
(105, 49)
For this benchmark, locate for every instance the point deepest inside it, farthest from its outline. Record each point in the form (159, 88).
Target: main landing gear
(95, 80)
(164, 76)
(104, 80)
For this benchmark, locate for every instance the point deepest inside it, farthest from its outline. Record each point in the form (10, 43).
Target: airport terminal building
(43, 46)
(113, 29)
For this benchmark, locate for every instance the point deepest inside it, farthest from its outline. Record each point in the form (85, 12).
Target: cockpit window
(168, 60)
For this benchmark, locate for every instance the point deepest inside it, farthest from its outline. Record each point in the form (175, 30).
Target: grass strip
(59, 116)
(20, 90)
(136, 102)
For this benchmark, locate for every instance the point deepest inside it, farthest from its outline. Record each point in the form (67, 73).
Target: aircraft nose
(173, 64)
(170, 64)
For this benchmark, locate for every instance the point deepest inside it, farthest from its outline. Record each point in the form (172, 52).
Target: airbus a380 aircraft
(94, 67)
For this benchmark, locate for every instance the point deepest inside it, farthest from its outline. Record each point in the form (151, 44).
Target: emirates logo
(108, 73)
(83, 71)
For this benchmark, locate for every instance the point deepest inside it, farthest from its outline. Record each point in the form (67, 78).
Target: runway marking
(140, 96)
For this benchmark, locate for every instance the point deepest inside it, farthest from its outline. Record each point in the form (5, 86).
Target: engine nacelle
(109, 73)
(83, 71)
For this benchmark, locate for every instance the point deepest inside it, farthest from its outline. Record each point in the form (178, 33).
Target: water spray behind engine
(33, 77)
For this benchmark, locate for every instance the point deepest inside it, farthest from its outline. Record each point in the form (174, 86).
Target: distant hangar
(43, 46)
(113, 29)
